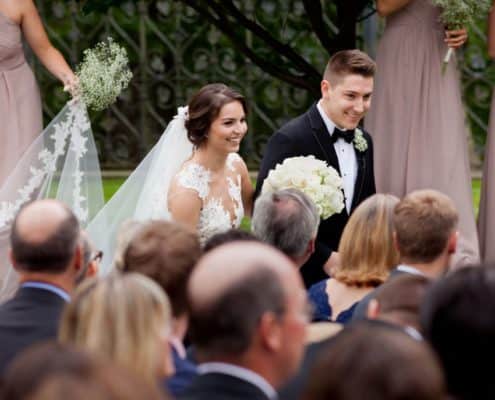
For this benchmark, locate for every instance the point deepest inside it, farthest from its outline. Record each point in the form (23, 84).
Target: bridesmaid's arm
(50, 57)
(491, 32)
(387, 7)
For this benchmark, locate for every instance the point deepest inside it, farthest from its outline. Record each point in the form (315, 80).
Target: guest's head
(248, 308)
(217, 118)
(375, 362)
(287, 219)
(366, 247)
(45, 243)
(167, 253)
(398, 300)
(53, 371)
(90, 259)
(125, 318)
(425, 224)
(126, 232)
(458, 318)
(347, 86)
(231, 235)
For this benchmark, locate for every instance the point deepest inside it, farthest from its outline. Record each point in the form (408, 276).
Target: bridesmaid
(20, 104)
(486, 219)
(418, 118)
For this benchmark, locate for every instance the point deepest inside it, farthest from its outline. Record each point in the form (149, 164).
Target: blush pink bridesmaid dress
(417, 118)
(20, 104)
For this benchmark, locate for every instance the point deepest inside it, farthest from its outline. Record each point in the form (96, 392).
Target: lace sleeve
(195, 177)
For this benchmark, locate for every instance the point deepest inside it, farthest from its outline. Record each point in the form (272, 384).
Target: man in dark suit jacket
(328, 131)
(46, 253)
(425, 224)
(247, 323)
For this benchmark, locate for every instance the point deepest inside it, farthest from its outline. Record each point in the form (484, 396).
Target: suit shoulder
(295, 127)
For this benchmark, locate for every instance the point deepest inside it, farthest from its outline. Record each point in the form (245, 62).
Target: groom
(327, 131)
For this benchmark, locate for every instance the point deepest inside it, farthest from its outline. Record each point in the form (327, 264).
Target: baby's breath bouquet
(311, 176)
(103, 74)
(458, 14)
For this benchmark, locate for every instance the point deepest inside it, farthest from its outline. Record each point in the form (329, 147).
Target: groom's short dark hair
(349, 62)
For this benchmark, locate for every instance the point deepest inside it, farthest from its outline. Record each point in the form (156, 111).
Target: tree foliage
(277, 57)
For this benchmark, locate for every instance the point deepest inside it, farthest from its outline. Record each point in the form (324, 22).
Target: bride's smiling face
(228, 128)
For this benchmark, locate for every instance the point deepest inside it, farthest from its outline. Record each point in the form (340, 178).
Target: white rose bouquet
(458, 14)
(103, 74)
(314, 177)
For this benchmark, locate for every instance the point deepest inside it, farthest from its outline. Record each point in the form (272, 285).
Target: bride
(193, 175)
(212, 190)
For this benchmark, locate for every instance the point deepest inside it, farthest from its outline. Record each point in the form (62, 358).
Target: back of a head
(224, 315)
(135, 314)
(399, 299)
(167, 253)
(231, 235)
(287, 219)
(349, 62)
(372, 361)
(458, 318)
(366, 247)
(424, 221)
(44, 237)
(53, 371)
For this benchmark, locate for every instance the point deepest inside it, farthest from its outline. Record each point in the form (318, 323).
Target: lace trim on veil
(61, 163)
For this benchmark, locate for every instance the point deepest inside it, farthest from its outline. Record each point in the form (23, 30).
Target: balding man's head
(246, 297)
(44, 237)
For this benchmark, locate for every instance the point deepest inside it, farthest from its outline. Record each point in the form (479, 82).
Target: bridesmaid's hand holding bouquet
(456, 16)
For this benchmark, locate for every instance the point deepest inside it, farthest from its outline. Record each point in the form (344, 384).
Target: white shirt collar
(240, 373)
(414, 333)
(409, 269)
(49, 287)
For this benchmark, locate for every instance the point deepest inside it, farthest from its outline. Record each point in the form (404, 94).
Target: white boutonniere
(359, 141)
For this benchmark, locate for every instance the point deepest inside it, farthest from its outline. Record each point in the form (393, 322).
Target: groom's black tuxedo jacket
(308, 135)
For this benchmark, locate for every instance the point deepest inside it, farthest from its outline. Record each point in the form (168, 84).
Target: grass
(110, 186)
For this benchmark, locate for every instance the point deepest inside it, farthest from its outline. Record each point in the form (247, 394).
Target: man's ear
(270, 332)
(93, 269)
(325, 88)
(373, 309)
(311, 246)
(452, 243)
(12, 259)
(78, 258)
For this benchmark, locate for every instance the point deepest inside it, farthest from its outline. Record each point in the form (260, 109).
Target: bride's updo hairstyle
(205, 106)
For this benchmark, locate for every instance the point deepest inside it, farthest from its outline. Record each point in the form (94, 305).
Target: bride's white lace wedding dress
(215, 216)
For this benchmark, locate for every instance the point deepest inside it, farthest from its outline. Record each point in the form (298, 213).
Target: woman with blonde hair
(367, 254)
(125, 318)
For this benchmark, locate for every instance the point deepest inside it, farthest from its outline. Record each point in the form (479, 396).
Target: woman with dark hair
(212, 190)
(193, 175)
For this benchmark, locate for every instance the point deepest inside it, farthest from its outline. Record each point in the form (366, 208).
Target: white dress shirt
(347, 159)
(409, 270)
(241, 373)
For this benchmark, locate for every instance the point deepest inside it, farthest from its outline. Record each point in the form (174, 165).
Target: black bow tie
(348, 136)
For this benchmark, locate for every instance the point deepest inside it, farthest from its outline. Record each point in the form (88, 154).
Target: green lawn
(110, 186)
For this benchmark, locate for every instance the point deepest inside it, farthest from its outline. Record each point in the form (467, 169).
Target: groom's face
(347, 100)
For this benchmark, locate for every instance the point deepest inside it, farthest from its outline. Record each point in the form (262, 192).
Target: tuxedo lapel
(361, 173)
(322, 137)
